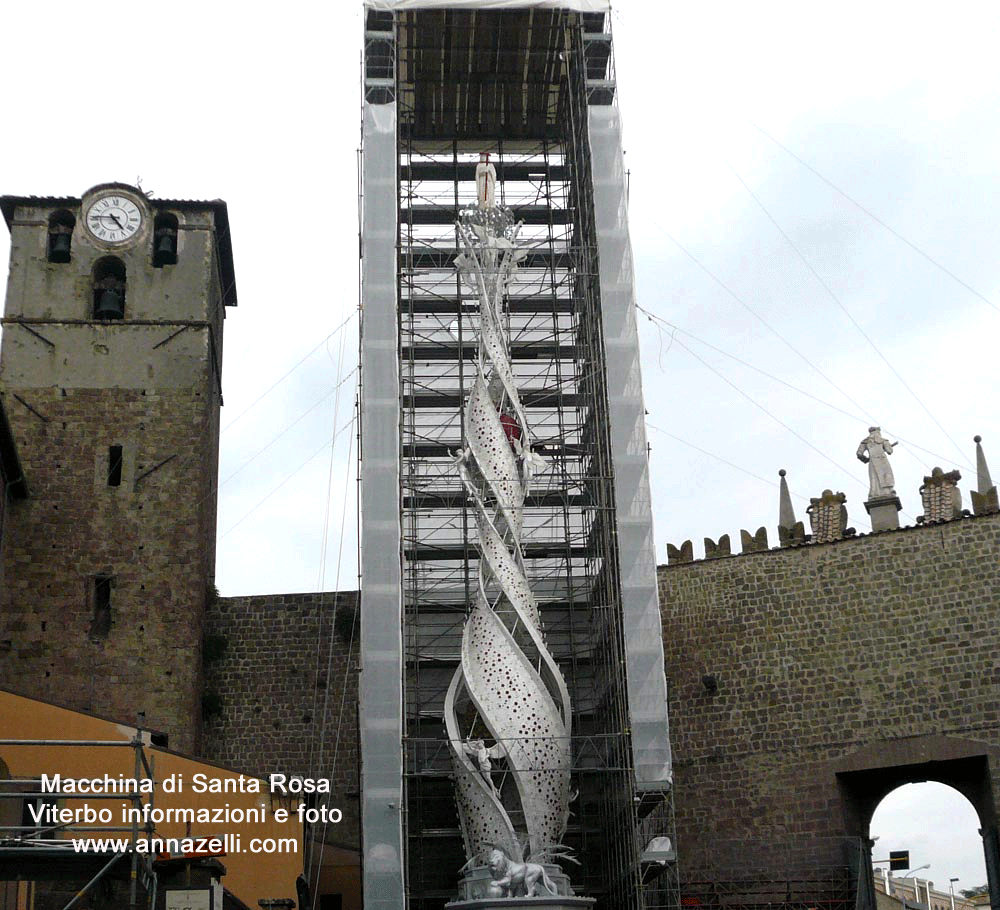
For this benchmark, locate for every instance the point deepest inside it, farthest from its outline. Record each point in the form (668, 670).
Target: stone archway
(866, 777)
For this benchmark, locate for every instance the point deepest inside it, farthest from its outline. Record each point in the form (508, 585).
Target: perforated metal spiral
(507, 709)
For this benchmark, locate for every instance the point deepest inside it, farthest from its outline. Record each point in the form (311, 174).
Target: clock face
(114, 218)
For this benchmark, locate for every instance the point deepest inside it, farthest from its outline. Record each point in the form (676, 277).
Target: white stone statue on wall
(874, 451)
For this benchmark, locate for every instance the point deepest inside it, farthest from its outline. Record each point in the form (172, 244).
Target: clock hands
(114, 219)
(101, 216)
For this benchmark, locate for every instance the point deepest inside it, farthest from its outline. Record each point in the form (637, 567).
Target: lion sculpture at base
(513, 878)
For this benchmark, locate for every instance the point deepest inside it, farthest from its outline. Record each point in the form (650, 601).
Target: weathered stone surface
(941, 498)
(786, 512)
(76, 389)
(752, 543)
(793, 536)
(714, 550)
(828, 516)
(287, 687)
(868, 652)
(683, 553)
(985, 503)
(984, 497)
(883, 512)
(874, 451)
(154, 536)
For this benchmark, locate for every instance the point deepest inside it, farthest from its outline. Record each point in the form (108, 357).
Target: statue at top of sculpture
(486, 181)
(874, 451)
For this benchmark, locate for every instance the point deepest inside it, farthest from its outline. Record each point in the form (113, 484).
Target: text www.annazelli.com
(187, 845)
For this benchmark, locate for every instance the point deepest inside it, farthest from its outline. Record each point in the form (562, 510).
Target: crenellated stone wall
(839, 670)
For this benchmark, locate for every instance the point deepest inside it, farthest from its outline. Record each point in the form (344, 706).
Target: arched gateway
(869, 775)
(838, 671)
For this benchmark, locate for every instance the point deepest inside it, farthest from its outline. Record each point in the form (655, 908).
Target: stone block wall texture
(287, 690)
(864, 654)
(153, 536)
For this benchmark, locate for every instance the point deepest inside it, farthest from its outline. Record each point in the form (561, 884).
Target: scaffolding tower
(533, 84)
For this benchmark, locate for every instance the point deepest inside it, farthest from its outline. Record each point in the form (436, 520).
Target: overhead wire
(875, 217)
(312, 877)
(347, 664)
(776, 419)
(660, 324)
(312, 762)
(314, 455)
(833, 296)
(219, 484)
(774, 331)
(329, 487)
(724, 461)
(286, 429)
(285, 376)
(811, 364)
(761, 407)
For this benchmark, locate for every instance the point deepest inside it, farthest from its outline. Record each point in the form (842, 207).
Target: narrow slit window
(101, 624)
(114, 466)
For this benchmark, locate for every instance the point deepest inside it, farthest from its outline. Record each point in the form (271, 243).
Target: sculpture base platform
(884, 512)
(477, 892)
(551, 902)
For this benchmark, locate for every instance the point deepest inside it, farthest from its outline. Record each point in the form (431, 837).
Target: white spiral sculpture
(507, 709)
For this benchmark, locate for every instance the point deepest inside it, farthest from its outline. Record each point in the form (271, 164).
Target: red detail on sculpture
(511, 428)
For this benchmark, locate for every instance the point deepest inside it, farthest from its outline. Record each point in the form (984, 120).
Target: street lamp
(916, 897)
(951, 886)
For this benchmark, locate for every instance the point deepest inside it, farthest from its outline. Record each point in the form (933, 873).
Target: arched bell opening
(61, 224)
(109, 288)
(164, 240)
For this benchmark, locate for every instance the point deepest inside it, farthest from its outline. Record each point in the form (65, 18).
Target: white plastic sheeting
(381, 700)
(647, 686)
(575, 6)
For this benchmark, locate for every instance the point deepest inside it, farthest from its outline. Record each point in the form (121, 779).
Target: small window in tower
(109, 288)
(165, 240)
(61, 225)
(100, 626)
(114, 466)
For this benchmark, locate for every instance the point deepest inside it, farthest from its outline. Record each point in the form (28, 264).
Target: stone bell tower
(110, 373)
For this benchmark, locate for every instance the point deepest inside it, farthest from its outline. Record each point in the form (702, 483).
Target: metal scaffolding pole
(518, 83)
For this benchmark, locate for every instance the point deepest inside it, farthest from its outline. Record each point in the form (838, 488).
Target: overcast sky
(750, 128)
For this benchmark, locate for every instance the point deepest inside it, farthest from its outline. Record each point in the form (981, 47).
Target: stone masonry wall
(877, 651)
(152, 536)
(281, 682)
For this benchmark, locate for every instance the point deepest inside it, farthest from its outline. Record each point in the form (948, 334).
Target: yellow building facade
(90, 787)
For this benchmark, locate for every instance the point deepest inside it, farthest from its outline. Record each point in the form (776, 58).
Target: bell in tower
(165, 240)
(109, 289)
(60, 236)
(110, 303)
